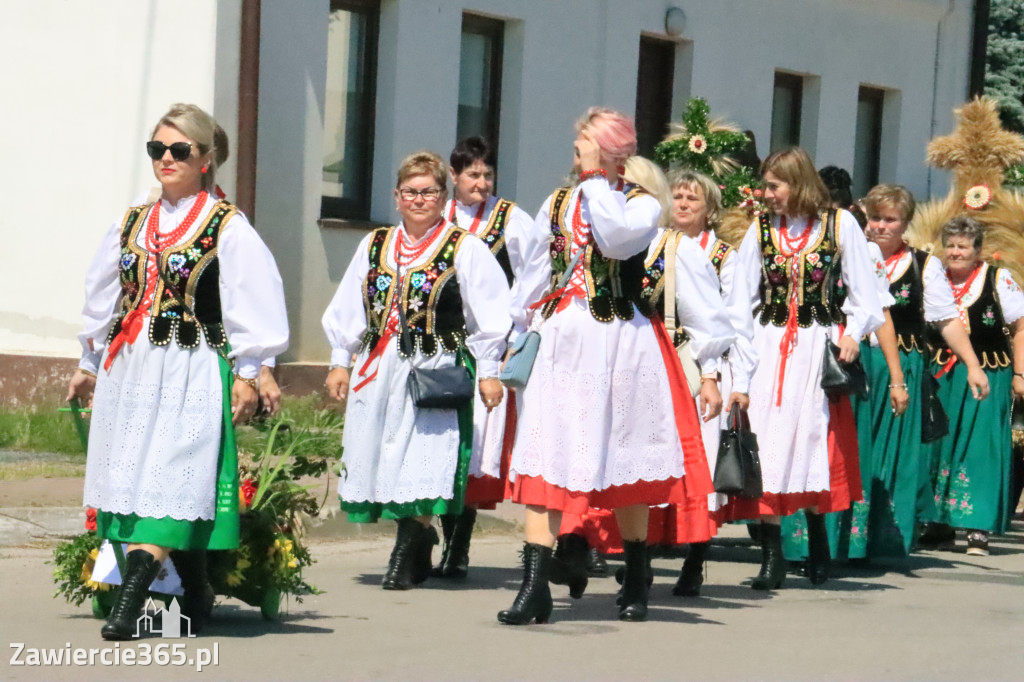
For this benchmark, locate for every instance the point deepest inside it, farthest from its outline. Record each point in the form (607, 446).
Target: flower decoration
(698, 144)
(978, 197)
(90, 519)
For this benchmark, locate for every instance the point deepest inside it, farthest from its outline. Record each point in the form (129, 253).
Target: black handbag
(447, 388)
(738, 468)
(841, 378)
(934, 421)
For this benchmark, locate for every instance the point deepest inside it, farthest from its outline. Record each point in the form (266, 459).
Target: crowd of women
(645, 331)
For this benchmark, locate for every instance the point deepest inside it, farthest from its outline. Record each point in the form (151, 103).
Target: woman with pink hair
(606, 421)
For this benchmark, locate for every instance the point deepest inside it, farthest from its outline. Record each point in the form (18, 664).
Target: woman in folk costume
(178, 292)
(972, 464)
(502, 226)
(402, 461)
(793, 258)
(688, 215)
(893, 464)
(603, 423)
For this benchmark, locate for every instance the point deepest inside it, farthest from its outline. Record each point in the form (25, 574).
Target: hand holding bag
(690, 367)
(738, 467)
(449, 388)
(523, 351)
(841, 378)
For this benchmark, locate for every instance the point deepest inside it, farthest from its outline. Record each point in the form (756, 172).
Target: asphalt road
(939, 615)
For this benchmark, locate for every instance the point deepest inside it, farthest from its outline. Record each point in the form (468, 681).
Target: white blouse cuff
(247, 367)
(487, 368)
(90, 361)
(340, 357)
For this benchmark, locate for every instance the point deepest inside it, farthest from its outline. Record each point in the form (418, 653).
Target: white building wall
(95, 74)
(83, 83)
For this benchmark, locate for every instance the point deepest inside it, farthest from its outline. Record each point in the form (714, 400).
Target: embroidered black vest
(189, 276)
(653, 282)
(986, 327)
(430, 296)
(613, 286)
(818, 271)
(908, 310)
(494, 236)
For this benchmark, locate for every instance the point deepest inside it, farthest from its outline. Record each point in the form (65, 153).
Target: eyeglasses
(179, 150)
(428, 194)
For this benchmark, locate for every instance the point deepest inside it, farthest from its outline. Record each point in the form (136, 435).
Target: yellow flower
(293, 563)
(86, 576)
(234, 579)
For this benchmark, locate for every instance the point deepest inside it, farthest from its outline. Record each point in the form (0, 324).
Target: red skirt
(668, 526)
(690, 490)
(844, 476)
(486, 492)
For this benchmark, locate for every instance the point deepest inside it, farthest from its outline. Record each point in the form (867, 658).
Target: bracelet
(87, 373)
(903, 386)
(593, 173)
(254, 384)
(485, 378)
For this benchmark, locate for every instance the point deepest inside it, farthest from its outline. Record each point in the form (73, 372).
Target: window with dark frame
(787, 101)
(349, 108)
(867, 151)
(480, 64)
(654, 80)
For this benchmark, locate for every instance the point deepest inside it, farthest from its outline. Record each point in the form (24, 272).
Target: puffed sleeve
(102, 293)
(621, 228)
(251, 298)
(699, 305)
(1011, 300)
(881, 277)
(742, 355)
(344, 321)
(527, 242)
(749, 261)
(939, 303)
(485, 304)
(863, 308)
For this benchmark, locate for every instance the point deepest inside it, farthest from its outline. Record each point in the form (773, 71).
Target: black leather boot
(773, 564)
(534, 598)
(140, 568)
(596, 565)
(422, 556)
(457, 532)
(634, 581)
(199, 597)
(692, 575)
(406, 557)
(819, 556)
(569, 566)
(620, 576)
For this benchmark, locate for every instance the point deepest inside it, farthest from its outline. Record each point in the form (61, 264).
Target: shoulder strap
(919, 277)
(671, 244)
(557, 201)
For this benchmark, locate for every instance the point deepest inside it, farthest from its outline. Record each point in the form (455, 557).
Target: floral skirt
(971, 467)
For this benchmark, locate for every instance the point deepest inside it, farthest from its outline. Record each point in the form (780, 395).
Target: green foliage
(39, 430)
(1004, 73)
(73, 561)
(1014, 176)
(707, 147)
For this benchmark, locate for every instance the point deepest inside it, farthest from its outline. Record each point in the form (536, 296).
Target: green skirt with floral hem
(371, 512)
(971, 467)
(891, 459)
(221, 532)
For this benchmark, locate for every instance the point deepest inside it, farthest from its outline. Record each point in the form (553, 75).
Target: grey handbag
(447, 388)
(523, 351)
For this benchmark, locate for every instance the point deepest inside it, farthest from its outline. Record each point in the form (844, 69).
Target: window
(349, 106)
(868, 141)
(655, 75)
(787, 102)
(480, 78)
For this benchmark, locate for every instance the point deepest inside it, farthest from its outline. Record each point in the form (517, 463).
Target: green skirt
(370, 512)
(971, 467)
(221, 532)
(891, 459)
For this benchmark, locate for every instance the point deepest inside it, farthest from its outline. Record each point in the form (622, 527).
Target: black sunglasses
(179, 150)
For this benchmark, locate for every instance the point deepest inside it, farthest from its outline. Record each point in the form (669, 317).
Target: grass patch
(39, 430)
(26, 469)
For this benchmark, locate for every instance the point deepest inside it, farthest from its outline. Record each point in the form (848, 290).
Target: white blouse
(938, 296)
(863, 307)
(732, 281)
(251, 293)
(482, 285)
(1008, 292)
